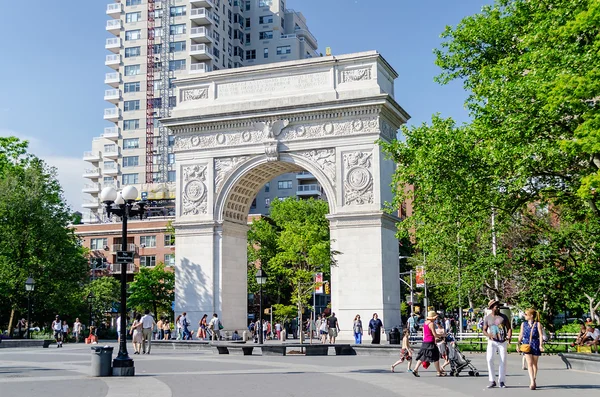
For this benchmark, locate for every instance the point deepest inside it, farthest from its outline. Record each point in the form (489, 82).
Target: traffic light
(327, 288)
(268, 311)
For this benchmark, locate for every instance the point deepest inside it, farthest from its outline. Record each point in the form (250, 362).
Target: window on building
(110, 148)
(265, 3)
(253, 205)
(230, 16)
(129, 179)
(169, 240)
(156, 48)
(265, 19)
(171, 158)
(109, 165)
(177, 64)
(178, 29)
(284, 184)
(133, 16)
(132, 52)
(131, 87)
(148, 260)
(216, 52)
(169, 260)
(171, 176)
(266, 53)
(177, 46)
(108, 181)
(251, 54)
(267, 203)
(267, 35)
(131, 143)
(132, 70)
(133, 2)
(97, 244)
(129, 106)
(267, 187)
(248, 24)
(131, 161)
(283, 50)
(148, 241)
(133, 34)
(158, 14)
(247, 6)
(133, 124)
(171, 140)
(178, 11)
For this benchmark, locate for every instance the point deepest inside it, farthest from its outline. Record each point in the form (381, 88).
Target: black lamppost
(261, 278)
(29, 286)
(90, 300)
(123, 205)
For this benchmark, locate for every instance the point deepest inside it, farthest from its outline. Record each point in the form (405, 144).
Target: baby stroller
(458, 361)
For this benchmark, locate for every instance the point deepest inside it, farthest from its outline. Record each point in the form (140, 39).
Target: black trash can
(102, 361)
(394, 336)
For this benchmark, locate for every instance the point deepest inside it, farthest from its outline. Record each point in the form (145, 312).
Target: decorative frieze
(356, 75)
(358, 178)
(224, 167)
(324, 159)
(193, 94)
(194, 197)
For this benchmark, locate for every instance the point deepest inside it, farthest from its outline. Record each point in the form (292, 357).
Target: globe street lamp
(123, 205)
(261, 278)
(29, 286)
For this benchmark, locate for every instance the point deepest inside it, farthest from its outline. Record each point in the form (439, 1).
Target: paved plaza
(65, 372)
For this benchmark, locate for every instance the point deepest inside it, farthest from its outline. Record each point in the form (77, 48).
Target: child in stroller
(458, 361)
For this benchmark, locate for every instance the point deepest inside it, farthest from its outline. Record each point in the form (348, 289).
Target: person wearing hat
(57, 328)
(498, 330)
(429, 352)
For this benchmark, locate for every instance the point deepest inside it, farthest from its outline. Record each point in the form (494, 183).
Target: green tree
(106, 293)
(35, 239)
(152, 289)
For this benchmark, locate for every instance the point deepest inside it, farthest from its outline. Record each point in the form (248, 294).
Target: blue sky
(52, 72)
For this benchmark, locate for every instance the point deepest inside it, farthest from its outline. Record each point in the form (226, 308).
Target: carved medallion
(328, 128)
(358, 180)
(194, 197)
(221, 139)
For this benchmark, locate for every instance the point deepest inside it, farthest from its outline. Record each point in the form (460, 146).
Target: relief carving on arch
(224, 167)
(194, 198)
(324, 159)
(358, 178)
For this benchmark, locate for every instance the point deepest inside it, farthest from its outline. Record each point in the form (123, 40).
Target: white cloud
(69, 169)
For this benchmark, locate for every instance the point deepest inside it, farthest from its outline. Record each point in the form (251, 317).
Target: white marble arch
(237, 129)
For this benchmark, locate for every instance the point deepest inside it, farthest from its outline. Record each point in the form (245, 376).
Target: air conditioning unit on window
(143, 245)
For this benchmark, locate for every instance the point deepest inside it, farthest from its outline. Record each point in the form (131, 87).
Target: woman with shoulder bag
(531, 343)
(358, 330)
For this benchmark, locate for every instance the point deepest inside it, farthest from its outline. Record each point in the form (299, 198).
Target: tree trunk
(10, 323)
(593, 308)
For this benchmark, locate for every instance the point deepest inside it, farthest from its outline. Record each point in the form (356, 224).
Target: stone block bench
(26, 343)
(588, 362)
(238, 348)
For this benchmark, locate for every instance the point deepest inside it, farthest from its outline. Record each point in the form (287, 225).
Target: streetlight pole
(123, 205)
(261, 278)
(90, 300)
(29, 286)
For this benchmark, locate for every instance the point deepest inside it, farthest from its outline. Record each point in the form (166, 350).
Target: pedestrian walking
(21, 327)
(406, 352)
(357, 328)
(497, 328)
(202, 327)
(57, 328)
(413, 324)
(429, 353)
(65, 331)
(278, 330)
(215, 326)
(333, 328)
(77, 330)
(185, 325)
(148, 325)
(137, 334)
(531, 343)
(375, 329)
(159, 325)
(178, 329)
(323, 329)
(167, 330)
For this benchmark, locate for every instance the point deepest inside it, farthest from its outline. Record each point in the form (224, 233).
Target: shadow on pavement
(567, 387)
(20, 370)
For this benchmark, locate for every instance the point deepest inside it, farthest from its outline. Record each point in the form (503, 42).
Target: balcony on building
(112, 133)
(112, 79)
(113, 44)
(200, 52)
(115, 268)
(113, 61)
(112, 114)
(114, 10)
(202, 3)
(91, 188)
(200, 34)
(308, 190)
(113, 96)
(92, 157)
(111, 169)
(118, 247)
(304, 176)
(114, 26)
(112, 183)
(308, 36)
(91, 203)
(199, 68)
(111, 152)
(201, 16)
(92, 173)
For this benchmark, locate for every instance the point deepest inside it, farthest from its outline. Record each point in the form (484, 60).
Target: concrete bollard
(283, 335)
(245, 336)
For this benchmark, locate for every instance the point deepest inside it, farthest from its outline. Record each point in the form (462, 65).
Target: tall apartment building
(152, 44)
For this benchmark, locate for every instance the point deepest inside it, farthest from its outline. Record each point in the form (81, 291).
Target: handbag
(525, 348)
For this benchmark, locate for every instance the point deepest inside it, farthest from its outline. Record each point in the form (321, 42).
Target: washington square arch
(237, 129)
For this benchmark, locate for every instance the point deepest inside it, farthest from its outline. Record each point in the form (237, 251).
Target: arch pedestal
(236, 130)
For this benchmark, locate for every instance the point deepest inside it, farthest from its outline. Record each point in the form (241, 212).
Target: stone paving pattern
(166, 373)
